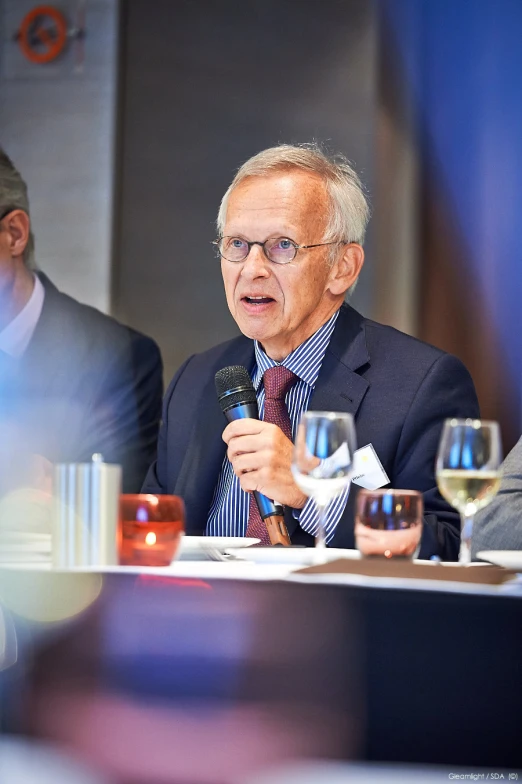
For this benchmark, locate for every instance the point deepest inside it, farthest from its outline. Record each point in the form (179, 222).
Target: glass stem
(466, 530)
(320, 539)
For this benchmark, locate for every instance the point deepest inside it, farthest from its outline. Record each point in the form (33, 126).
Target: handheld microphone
(237, 398)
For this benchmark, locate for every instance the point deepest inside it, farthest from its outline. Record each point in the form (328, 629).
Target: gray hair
(349, 209)
(13, 196)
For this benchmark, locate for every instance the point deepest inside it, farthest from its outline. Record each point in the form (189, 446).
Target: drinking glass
(151, 527)
(388, 523)
(468, 470)
(323, 460)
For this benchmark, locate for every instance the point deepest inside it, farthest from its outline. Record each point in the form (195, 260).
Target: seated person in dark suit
(291, 227)
(72, 380)
(499, 525)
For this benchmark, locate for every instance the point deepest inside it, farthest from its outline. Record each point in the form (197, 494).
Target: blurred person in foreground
(291, 228)
(73, 381)
(499, 525)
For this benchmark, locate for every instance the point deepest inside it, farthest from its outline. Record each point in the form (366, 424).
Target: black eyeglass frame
(296, 247)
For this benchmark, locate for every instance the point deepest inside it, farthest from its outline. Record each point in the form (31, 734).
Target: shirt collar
(15, 338)
(305, 361)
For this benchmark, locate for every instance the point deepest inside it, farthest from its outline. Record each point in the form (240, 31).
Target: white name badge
(368, 471)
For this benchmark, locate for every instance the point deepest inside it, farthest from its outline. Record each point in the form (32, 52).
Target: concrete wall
(57, 123)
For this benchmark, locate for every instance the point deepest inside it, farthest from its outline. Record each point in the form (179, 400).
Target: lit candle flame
(150, 538)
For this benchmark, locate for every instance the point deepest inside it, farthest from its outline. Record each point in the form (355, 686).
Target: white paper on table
(368, 470)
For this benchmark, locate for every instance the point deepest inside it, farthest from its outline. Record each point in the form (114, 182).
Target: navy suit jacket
(85, 384)
(398, 388)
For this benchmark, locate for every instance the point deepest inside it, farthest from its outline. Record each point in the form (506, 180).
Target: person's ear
(346, 268)
(18, 227)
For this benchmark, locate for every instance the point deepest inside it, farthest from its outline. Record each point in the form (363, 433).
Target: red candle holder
(151, 527)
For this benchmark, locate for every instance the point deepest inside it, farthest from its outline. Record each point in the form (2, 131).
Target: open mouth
(258, 300)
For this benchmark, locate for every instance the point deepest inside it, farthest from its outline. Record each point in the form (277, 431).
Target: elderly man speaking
(291, 228)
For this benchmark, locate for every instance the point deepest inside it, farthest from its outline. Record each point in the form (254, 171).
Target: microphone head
(234, 386)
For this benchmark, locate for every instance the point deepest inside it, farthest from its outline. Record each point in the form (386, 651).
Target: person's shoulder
(198, 371)
(393, 354)
(385, 339)
(86, 324)
(384, 334)
(226, 349)
(238, 350)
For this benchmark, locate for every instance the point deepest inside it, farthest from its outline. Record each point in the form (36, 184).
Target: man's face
(296, 297)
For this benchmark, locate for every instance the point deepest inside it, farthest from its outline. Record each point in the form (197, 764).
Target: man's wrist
(299, 501)
(297, 513)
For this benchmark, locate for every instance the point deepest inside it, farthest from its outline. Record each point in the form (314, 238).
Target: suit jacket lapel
(339, 387)
(202, 463)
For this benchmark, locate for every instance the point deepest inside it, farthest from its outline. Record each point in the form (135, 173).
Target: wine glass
(388, 523)
(323, 461)
(468, 470)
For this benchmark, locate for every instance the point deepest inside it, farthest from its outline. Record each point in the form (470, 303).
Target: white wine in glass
(468, 470)
(322, 465)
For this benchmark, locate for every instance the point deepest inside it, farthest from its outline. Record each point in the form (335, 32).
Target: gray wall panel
(57, 123)
(206, 85)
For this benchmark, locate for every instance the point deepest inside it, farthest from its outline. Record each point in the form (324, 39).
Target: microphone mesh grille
(235, 380)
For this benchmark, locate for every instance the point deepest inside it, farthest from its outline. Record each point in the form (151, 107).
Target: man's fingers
(242, 427)
(248, 482)
(244, 444)
(251, 461)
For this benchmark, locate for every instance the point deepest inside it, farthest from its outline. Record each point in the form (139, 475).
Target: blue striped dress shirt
(228, 514)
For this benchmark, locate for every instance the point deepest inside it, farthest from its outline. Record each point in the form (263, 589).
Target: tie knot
(277, 381)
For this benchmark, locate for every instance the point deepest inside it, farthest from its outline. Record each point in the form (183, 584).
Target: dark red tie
(277, 381)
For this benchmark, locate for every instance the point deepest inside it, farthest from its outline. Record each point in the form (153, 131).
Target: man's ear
(346, 268)
(18, 227)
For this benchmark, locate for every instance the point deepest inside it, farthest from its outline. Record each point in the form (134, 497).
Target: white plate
(24, 547)
(7, 554)
(35, 565)
(510, 559)
(194, 546)
(7, 558)
(297, 556)
(24, 536)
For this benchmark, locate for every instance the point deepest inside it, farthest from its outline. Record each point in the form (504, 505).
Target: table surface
(246, 570)
(432, 671)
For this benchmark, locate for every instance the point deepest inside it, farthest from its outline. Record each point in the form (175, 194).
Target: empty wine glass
(468, 470)
(323, 460)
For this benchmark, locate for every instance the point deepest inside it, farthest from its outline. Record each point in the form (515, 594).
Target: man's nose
(256, 264)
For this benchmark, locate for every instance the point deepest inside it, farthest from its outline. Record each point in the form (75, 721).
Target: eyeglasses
(280, 250)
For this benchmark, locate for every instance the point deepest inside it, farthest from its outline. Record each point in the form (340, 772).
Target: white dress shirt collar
(305, 361)
(15, 338)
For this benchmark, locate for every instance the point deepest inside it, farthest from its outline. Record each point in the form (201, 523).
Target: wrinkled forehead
(291, 198)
